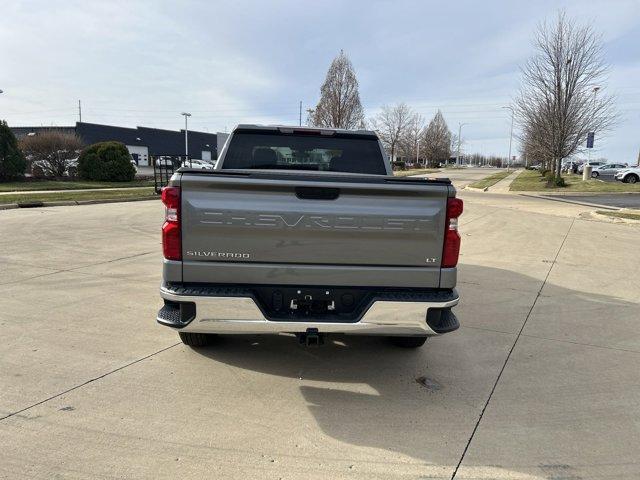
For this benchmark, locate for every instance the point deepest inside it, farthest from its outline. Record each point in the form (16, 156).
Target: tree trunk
(558, 167)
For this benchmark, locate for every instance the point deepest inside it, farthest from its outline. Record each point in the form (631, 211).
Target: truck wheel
(195, 339)
(409, 342)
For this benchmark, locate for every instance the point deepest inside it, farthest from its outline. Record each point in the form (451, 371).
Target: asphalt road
(620, 200)
(540, 382)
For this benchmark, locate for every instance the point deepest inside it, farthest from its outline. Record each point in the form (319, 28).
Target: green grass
(28, 185)
(491, 179)
(629, 215)
(414, 171)
(70, 195)
(532, 181)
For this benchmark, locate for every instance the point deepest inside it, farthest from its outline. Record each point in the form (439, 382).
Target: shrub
(12, 162)
(52, 154)
(106, 162)
(553, 181)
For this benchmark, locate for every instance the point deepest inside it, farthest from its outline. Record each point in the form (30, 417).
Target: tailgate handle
(317, 193)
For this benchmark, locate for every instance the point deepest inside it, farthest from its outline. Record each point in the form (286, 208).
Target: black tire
(408, 342)
(633, 178)
(595, 174)
(195, 339)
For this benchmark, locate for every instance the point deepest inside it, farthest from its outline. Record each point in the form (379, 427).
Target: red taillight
(171, 236)
(451, 248)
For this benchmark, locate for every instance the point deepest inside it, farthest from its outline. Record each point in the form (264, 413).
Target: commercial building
(143, 143)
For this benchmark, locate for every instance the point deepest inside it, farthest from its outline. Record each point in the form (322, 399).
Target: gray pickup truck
(306, 231)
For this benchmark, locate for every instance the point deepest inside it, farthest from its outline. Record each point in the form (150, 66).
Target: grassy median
(631, 215)
(532, 181)
(414, 171)
(491, 179)
(125, 193)
(28, 185)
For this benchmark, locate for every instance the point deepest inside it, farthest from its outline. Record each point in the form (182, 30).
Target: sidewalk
(503, 185)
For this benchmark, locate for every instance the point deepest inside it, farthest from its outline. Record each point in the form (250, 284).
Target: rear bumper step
(237, 310)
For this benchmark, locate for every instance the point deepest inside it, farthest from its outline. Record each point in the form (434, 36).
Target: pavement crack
(513, 346)
(99, 377)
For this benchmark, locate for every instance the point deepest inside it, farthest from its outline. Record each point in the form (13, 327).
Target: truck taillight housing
(171, 236)
(451, 248)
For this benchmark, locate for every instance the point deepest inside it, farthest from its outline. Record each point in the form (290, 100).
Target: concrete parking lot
(540, 382)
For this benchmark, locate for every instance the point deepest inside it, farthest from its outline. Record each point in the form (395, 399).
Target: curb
(475, 189)
(537, 193)
(66, 203)
(611, 219)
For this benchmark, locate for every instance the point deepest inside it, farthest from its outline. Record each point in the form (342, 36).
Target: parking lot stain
(67, 409)
(429, 384)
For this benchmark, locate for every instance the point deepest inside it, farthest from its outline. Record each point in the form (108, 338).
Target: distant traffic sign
(590, 139)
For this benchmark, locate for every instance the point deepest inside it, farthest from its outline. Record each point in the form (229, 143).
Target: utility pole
(300, 114)
(510, 137)
(418, 152)
(459, 141)
(80, 110)
(186, 137)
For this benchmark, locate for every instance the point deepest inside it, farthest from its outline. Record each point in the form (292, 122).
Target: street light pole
(418, 152)
(186, 137)
(459, 141)
(586, 171)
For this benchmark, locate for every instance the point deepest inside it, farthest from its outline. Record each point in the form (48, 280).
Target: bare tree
(437, 140)
(391, 124)
(557, 106)
(412, 136)
(50, 153)
(339, 105)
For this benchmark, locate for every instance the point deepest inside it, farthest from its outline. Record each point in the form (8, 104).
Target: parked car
(328, 241)
(536, 167)
(607, 169)
(628, 175)
(164, 162)
(41, 168)
(592, 164)
(201, 164)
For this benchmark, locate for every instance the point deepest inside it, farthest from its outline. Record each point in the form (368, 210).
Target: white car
(607, 169)
(201, 164)
(164, 162)
(628, 175)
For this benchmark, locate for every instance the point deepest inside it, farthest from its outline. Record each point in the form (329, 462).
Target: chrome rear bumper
(241, 315)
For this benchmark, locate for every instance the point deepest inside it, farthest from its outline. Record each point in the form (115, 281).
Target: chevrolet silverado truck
(306, 231)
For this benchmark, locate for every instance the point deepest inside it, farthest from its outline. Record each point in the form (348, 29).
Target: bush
(52, 154)
(12, 162)
(106, 162)
(553, 181)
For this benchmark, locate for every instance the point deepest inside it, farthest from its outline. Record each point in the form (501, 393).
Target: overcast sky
(142, 63)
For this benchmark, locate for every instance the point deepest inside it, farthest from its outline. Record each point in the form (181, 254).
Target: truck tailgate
(250, 228)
